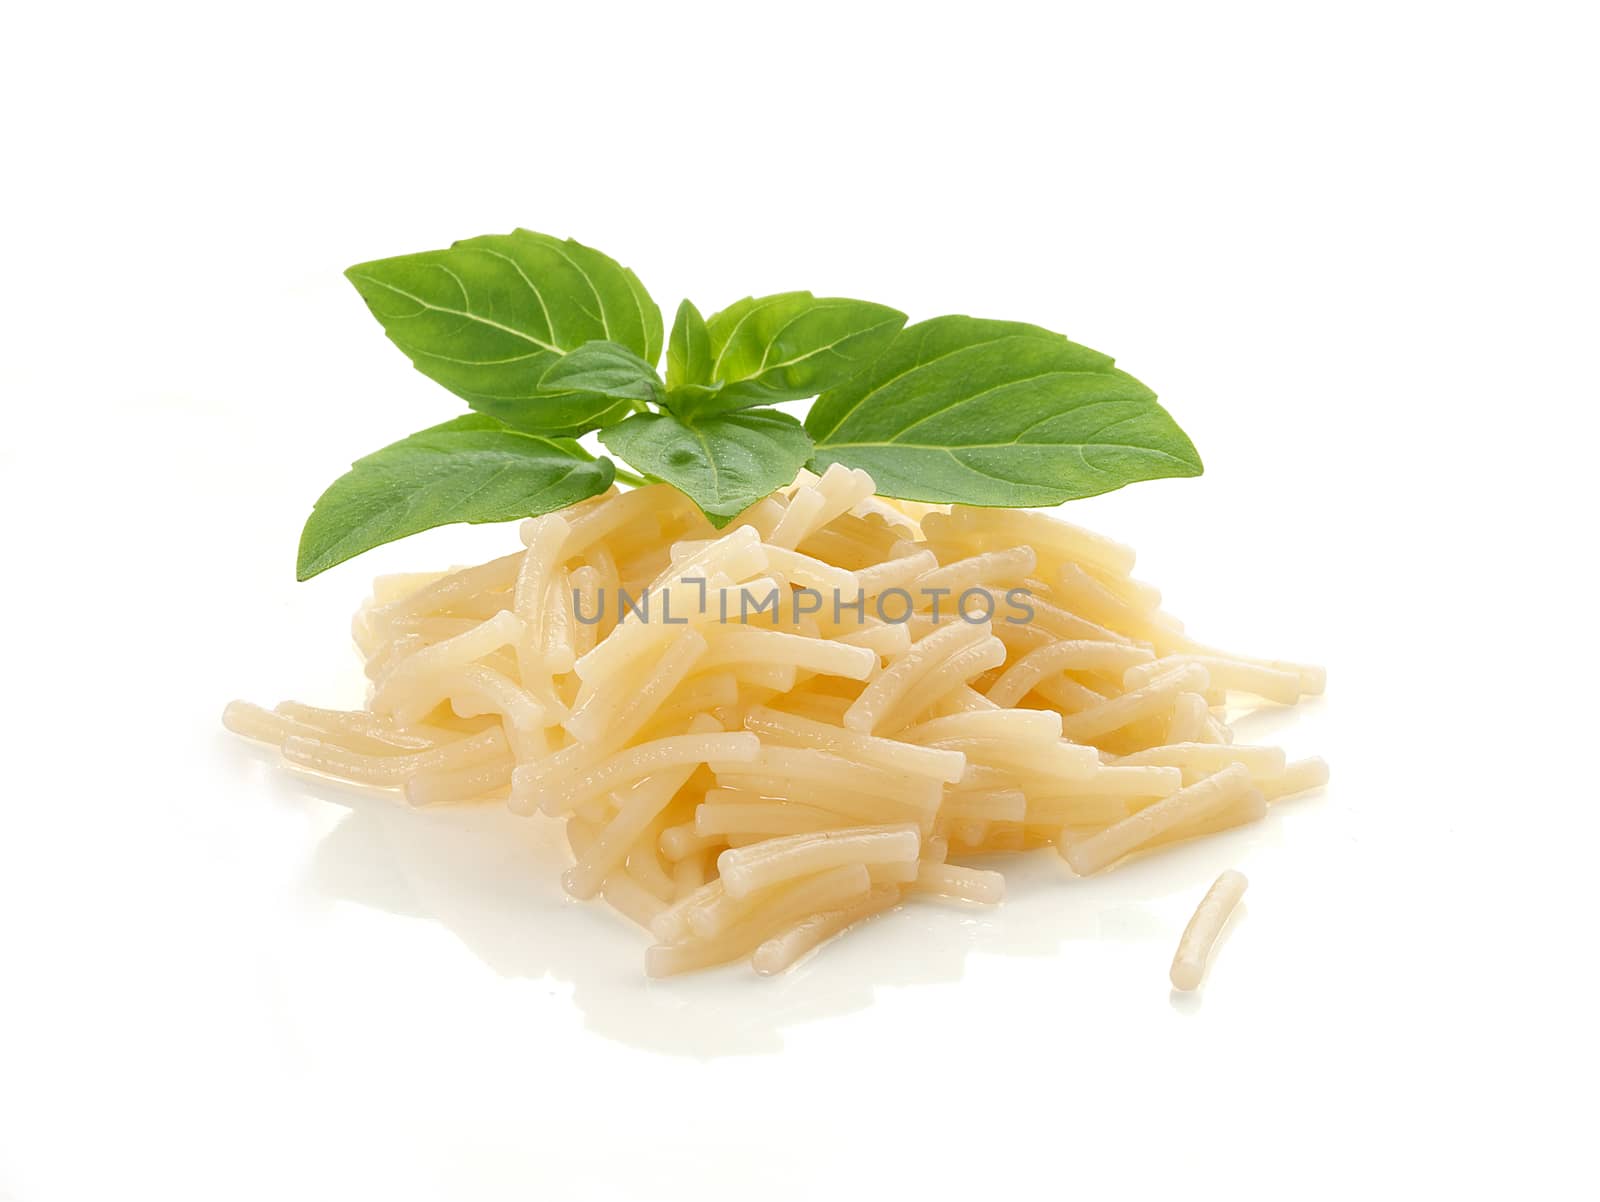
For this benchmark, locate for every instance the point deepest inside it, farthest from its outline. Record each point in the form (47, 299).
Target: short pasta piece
(1189, 963)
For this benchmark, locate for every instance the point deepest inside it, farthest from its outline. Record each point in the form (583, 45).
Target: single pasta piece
(1188, 718)
(472, 783)
(1154, 698)
(826, 890)
(965, 884)
(892, 684)
(1079, 654)
(998, 805)
(1298, 777)
(989, 568)
(1313, 680)
(532, 789)
(885, 639)
(961, 667)
(382, 731)
(775, 726)
(1118, 780)
(392, 771)
(717, 816)
(1043, 764)
(736, 646)
(1202, 759)
(1273, 684)
(852, 807)
(1133, 832)
(545, 537)
(1249, 806)
(895, 573)
(631, 899)
(784, 950)
(1189, 964)
(826, 768)
(1025, 726)
(744, 870)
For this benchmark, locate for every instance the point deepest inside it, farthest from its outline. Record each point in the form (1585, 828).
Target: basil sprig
(548, 340)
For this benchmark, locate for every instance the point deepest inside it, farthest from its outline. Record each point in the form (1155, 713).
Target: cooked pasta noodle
(1189, 963)
(758, 737)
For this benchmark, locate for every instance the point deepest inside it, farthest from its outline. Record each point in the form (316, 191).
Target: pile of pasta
(745, 780)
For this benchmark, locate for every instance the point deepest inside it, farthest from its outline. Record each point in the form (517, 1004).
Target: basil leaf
(689, 349)
(551, 414)
(471, 469)
(487, 317)
(791, 346)
(724, 462)
(603, 369)
(961, 409)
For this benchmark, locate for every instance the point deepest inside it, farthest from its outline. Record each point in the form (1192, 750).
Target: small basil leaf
(471, 469)
(791, 346)
(693, 398)
(689, 349)
(557, 414)
(605, 369)
(724, 462)
(961, 409)
(487, 317)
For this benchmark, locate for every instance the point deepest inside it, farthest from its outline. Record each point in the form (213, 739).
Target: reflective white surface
(218, 979)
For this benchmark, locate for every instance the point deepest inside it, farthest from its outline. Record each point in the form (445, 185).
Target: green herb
(550, 339)
(725, 461)
(602, 369)
(997, 413)
(488, 317)
(472, 469)
(689, 353)
(786, 348)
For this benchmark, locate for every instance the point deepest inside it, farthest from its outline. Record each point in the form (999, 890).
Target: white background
(1352, 246)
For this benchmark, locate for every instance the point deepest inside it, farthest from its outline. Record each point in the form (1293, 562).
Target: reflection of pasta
(751, 753)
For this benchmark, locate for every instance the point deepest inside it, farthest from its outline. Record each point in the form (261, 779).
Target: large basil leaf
(487, 318)
(472, 469)
(724, 462)
(961, 409)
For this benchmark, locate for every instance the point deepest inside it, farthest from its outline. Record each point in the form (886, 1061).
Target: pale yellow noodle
(391, 771)
(1297, 777)
(1020, 678)
(1154, 698)
(895, 682)
(1270, 683)
(745, 870)
(953, 672)
(531, 789)
(1189, 962)
(1189, 804)
(966, 884)
(903, 757)
(826, 891)
(784, 950)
